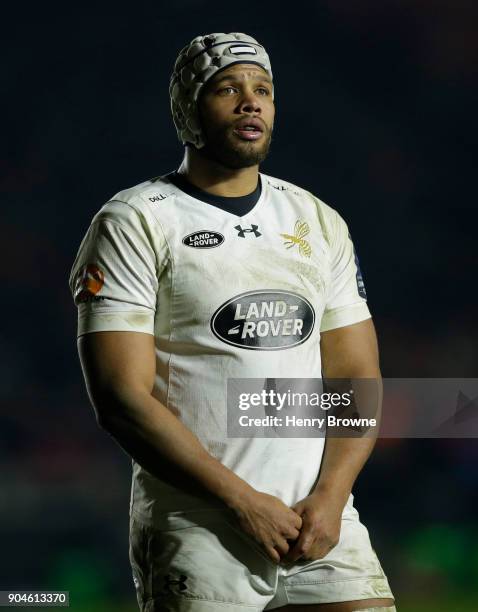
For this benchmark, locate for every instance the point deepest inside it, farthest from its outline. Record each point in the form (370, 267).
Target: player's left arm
(347, 352)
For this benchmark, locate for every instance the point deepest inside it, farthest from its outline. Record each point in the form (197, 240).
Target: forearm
(344, 457)
(166, 448)
(343, 460)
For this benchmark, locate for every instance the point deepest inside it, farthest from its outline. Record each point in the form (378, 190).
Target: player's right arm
(119, 369)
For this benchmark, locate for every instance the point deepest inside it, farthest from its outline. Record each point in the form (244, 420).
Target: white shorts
(202, 561)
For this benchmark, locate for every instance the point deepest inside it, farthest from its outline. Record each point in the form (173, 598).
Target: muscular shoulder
(135, 205)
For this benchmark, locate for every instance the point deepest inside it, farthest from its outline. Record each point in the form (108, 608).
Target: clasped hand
(320, 531)
(309, 529)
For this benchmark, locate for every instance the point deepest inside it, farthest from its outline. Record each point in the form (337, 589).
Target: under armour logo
(168, 581)
(242, 232)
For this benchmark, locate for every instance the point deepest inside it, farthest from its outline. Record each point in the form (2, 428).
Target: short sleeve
(346, 297)
(114, 278)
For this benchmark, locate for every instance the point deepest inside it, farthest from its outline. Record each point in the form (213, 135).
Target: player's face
(230, 100)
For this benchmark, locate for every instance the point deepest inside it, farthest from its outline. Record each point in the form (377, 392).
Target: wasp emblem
(301, 229)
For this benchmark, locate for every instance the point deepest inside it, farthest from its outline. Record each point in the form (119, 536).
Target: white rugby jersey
(225, 297)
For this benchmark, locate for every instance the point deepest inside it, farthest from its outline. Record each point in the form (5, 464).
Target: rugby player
(212, 272)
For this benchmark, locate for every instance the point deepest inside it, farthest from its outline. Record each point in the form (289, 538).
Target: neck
(213, 177)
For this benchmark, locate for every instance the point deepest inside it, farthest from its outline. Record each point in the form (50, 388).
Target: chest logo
(241, 232)
(301, 229)
(203, 239)
(264, 320)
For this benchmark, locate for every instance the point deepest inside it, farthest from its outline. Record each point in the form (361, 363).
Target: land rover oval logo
(203, 239)
(264, 320)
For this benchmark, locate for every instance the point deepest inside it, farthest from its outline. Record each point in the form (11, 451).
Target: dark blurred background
(376, 114)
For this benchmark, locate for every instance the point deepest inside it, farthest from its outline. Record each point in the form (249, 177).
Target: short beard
(219, 149)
